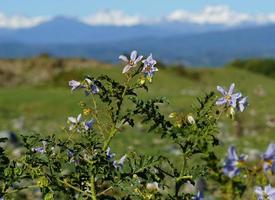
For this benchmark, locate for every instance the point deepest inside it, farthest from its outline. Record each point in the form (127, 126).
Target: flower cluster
(233, 163)
(148, 68)
(231, 99)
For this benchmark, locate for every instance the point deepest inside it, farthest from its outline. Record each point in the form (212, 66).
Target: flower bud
(87, 111)
(190, 119)
(152, 187)
(172, 115)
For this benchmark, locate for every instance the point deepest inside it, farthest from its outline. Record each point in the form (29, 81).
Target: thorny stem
(99, 125)
(220, 114)
(114, 129)
(104, 191)
(17, 190)
(111, 135)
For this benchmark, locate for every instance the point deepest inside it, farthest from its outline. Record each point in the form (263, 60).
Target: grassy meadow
(35, 98)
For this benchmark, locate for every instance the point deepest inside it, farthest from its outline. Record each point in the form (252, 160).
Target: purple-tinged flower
(233, 162)
(94, 89)
(242, 104)
(89, 124)
(2, 198)
(269, 158)
(134, 60)
(40, 149)
(199, 196)
(228, 97)
(119, 164)
(149, 61)
(109, 155)
(90, 87)
(74, 84)
(267, 193)
(74, 122)
(149, 68)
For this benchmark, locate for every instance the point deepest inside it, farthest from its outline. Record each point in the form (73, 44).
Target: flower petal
(270, 152)
(269, 190)
(242, 104)
(236, 95)
(259, 191)
(231, 89)
(79, 117)
(72, 119)
(124, 58)
(221, 101)
(233, 102)
(139, 58)
(221, 90)
(126, 69)
(232, 153)
(133, 55)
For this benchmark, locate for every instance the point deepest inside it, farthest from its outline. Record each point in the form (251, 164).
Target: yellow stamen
(228, 97)
(131, 63)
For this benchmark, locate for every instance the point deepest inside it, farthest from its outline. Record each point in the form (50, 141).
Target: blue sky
(27, 13)
(145, 7)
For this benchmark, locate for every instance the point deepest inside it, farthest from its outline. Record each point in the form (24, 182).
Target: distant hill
(192, 44)
(64, 30)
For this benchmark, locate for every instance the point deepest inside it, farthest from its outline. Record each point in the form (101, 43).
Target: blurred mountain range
(172, 42)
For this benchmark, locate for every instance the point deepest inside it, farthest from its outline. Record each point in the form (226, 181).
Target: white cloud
(219, 14)
(212, 14)
(114, 17)
(17, 21)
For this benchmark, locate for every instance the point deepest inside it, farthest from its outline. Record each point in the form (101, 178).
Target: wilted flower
(267, 193)
(199, 196)
(152, 187)
(242, 104)
(233, 162)
(74, 122)
(269, 158)
(134, 59)
(228, 97)
(40, 149)
(74, 84)
(149, 68)
(119, 164)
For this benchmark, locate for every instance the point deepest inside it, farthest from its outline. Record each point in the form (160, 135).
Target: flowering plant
(83, 166)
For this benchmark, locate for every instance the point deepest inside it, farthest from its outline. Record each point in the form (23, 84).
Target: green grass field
(44, 108)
